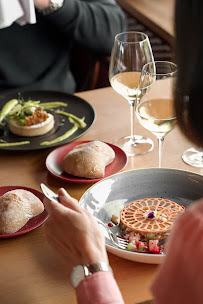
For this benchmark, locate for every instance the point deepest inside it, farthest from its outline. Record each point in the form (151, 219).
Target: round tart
(154, 215)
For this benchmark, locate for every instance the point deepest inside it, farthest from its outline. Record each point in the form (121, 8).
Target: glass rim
(155, 119)
(131, 32)
(161, 61)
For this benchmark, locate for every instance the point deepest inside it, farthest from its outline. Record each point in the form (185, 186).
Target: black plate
(76, 106)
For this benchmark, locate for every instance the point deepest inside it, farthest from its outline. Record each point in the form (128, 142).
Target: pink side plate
(33, 223)
(54, 159)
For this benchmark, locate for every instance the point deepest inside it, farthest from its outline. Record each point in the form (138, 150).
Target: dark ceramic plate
(34, 222)
(76, 106)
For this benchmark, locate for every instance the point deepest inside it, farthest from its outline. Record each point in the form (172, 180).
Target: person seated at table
(75, 236)
(38, 56)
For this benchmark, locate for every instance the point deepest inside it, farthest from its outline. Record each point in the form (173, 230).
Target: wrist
(42, 4)
(49, 6)
(94, 253)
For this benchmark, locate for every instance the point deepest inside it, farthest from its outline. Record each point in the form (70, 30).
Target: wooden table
(158, 15)
(30, 273)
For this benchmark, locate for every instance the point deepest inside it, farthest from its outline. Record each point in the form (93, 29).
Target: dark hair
(189, 57)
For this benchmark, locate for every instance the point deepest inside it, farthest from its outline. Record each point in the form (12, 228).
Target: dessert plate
(34, 222)
(54, 159)
(110, 195)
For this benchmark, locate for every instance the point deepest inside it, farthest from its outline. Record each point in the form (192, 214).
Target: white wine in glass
(155, 110)
(130, 52)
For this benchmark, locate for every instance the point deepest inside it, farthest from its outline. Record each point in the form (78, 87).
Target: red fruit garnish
(110, 224)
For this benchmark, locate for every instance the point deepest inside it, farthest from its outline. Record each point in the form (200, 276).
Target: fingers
(66, 201)
(50, 206)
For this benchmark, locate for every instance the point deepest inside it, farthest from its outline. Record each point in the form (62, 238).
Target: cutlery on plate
(49, 193)
(118, 241)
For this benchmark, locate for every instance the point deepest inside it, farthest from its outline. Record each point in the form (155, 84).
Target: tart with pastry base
(35, 124)
(148, 221)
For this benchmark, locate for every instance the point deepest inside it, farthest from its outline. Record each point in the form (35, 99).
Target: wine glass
(130, 52)
(193, 157)
(155, 110)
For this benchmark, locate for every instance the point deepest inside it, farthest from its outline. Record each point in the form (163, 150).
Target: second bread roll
(88, 160)
(17, 207)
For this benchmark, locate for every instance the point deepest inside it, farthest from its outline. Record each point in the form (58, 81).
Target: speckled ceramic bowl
(110, 195)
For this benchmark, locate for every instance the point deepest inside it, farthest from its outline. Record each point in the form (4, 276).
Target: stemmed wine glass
(130, 52)
(155, 110)
(193, 157)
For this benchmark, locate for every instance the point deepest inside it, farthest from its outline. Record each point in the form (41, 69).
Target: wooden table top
(158, 15)
(30, 272)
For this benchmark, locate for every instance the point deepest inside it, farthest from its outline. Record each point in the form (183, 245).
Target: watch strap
(100, 266)
(80, 272)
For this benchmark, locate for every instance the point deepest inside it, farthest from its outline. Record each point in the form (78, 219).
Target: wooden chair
(89, 70)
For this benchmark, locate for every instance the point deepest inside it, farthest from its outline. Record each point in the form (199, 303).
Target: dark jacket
(37, 56)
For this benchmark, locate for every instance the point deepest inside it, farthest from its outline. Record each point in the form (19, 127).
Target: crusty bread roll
(34, 130)
(16, 208)
(88, 160)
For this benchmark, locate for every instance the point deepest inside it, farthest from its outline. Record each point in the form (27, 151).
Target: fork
(117, 240)
(49, 193)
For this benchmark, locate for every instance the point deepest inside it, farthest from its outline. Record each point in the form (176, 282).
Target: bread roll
(33, 130)
(16, 208)
(88, 160)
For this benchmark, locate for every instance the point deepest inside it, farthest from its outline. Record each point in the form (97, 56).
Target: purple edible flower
(151, 215)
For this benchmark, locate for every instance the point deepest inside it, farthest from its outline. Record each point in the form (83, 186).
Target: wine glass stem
(160, 144)
(132, 119)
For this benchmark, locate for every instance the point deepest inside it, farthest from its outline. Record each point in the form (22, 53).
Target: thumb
(67, 200)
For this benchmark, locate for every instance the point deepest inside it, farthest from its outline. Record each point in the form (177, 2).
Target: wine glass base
(137, 145)
(193, 157)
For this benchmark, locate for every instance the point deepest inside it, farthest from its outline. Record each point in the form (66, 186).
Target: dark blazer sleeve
(91, 23)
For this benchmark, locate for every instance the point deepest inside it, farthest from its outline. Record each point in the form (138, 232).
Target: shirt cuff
(100, 288)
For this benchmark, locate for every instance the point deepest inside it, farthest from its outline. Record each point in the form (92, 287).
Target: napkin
(20, 11)
(179, 280)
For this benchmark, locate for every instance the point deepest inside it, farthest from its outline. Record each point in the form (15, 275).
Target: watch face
(77, 275)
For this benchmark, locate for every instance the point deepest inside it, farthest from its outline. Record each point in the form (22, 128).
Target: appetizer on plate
(146, 222)
(30, 121)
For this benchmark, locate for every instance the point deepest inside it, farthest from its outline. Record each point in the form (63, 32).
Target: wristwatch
(80, 272)
(53, 6)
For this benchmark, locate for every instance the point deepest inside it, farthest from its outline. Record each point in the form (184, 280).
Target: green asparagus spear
(6, 144)
(62, 137)
(52, 105)
(79, 121)
(7, 108)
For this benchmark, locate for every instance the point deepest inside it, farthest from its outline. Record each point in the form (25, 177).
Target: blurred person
(75, 236)
(38, 56)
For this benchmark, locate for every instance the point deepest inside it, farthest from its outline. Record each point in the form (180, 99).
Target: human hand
(73, 233)
(41, 4)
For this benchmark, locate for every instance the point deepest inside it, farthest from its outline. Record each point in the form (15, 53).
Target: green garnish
(62, 137)
(79, 121)
(6, 144)
(77, 125)
(7, 108)
(52, 105)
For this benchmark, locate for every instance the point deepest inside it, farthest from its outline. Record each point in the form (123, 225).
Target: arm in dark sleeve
(93, 24)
